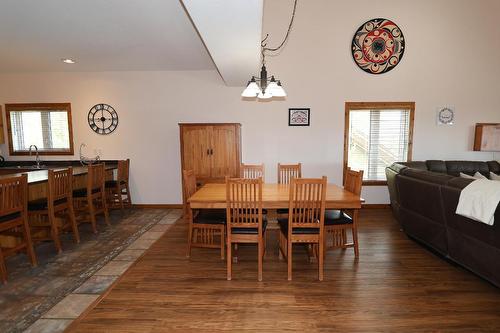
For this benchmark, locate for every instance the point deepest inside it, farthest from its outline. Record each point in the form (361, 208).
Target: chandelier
(262, 87)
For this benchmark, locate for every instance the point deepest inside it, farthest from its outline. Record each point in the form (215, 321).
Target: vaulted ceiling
(118, 35)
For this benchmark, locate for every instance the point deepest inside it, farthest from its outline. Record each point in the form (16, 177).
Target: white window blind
(47, 129)
(377, 138)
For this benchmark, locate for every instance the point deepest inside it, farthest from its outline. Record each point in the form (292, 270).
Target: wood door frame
(376, 105)
(39, 106)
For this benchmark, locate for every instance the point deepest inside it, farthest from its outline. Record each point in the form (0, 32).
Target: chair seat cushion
(7, 218)
(211, 216)
(336, 217)
(112, 183)
(296, 231)
(250, 231)
(81, 192)
(42, 204)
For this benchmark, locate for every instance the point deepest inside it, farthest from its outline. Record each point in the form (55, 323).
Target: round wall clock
(445, 116)
(103, 119)
(378, 46)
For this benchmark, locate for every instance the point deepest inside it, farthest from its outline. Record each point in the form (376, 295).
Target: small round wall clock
(103, 119)
(445, 116)
(378, 46)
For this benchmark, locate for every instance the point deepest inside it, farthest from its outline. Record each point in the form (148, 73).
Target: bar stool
(116, 189)
(14, 219)
(55, 213)
(91, 201)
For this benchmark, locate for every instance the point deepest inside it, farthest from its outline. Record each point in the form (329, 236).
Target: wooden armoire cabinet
(212, 151)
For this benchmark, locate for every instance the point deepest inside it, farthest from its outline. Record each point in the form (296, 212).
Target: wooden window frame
(39, 106)
(370, 106)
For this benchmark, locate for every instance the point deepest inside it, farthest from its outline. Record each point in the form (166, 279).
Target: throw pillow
(494, 176)
(477, 175)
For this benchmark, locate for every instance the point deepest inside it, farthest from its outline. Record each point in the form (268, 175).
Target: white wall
(451, 59)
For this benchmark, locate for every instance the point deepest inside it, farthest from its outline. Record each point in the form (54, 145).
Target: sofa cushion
(469, 167)
(436, 166)
(494, 166)
(429, 176)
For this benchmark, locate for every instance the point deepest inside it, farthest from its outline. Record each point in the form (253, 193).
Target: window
(376, 135)
(47, 126)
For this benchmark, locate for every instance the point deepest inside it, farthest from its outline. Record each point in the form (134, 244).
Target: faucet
(37, 156)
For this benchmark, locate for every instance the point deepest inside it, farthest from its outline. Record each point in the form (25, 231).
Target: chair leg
(320, 259)
(120, 199)
(105, 207)
(3, 269)
(54, 232)
(190, 239)
(261, 254)
(355, 233)
(289, 257)
(222, 242)
(29, 243)
(129, 199)
(229, 260)
(91, 209)
(72, 220)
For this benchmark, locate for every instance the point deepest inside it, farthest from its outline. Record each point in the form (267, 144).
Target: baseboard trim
(376, 206)
(158, 206)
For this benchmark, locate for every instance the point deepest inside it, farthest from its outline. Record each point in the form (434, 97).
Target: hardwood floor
(396, 286)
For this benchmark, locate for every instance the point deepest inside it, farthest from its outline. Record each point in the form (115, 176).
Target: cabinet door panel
(225, 157)
(196, 150)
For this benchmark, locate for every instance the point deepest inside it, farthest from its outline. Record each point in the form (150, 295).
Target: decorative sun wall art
(378, 46)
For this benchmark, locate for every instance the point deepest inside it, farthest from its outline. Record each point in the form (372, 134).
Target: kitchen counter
(40, 176)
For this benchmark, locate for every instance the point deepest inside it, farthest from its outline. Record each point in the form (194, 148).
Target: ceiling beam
(231, 31)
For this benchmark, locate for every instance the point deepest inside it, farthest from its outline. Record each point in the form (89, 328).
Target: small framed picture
(299, 117)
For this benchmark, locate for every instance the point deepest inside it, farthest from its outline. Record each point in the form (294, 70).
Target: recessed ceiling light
(68, 61)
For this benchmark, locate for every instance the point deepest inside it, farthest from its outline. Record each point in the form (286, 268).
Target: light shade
(276, 89)
(265, 95)
(251, 90)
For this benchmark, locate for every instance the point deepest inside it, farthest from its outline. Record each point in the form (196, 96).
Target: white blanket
(479, 200)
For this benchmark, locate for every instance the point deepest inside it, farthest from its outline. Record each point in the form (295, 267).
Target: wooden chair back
(307, 203)
(96, 177)
(286, 172)
(123, 171)
(60, 184)
(252, 171)
(189, 185)
(244, 203)
(13, 195)
(353, 181)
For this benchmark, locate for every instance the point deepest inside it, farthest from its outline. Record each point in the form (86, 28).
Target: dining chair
(253, 171)
(118, 188)
(305, 223)
(337, 222)
(245, 221)
(50, 216)
(205, 225)
(286, 172)
(91, 200)
(14, 220)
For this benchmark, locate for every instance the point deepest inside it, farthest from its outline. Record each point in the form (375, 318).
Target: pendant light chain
(273, 49)
(266, 88)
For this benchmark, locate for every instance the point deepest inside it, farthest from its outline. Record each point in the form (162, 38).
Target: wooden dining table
(274, 196)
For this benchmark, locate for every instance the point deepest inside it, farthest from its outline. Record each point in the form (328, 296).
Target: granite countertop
(39, 176)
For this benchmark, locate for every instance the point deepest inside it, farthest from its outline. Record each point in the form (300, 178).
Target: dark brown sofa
(424, 197)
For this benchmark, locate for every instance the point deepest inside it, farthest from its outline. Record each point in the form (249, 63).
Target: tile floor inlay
(32, 292)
